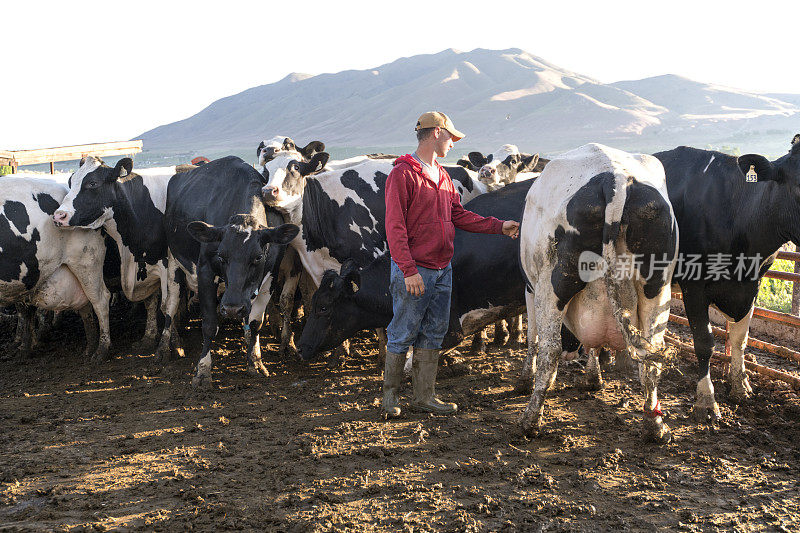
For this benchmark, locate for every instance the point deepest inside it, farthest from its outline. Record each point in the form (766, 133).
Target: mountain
(495, 97)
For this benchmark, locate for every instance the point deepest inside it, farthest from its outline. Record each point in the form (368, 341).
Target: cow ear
(796, 139)
(463, 162)
(202, 232)
(351, 276)
(288, 144)
(761, 165)
(281, 235)
(316, 164)
(528, 163)
(477, 159)
(312, 148)
(260, 147)
(123, 167)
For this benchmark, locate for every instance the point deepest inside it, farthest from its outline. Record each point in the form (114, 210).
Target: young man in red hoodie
(422, 211)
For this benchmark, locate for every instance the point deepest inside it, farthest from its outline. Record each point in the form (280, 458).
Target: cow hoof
(257, 369)
(533, 431)
(741, 390)
(22, 355)
(334, 361)
(100, 356)
(144, 345)
(478, 347)
(500, 340)
(658, 433)
(705, 414)
(592, 382)
(201, 382)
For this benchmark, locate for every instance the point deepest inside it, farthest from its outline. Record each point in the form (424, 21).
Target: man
(422, 211)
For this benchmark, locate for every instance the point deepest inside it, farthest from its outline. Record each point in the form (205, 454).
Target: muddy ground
(129, 446)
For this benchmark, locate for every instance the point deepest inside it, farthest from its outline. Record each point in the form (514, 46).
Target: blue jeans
(420, 321)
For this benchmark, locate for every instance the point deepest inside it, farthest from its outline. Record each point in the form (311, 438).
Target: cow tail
(615, 195)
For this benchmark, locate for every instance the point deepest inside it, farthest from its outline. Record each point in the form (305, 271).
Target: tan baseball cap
(433, 119)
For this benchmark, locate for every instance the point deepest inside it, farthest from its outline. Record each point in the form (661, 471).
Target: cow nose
(232, 311)
(270, 192)
(60, 218)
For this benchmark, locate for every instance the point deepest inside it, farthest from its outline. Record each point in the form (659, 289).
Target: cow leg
(43, 327)
(26, 316)
(604, 358)
(478, 343)
(545, 361)
(524, 384)
(149, 340)
(737, 377)
(287, 346)
(593, 379)
(98, 295)
(515, 331)
(170, 302)
(255, 365)
(381, 334)
(90, 330)
(623, 361)
(501, 334)
(208, 308)
(705, 407)
(339, 354)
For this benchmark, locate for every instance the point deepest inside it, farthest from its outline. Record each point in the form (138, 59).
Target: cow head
(238, 255)
(269, 149)
(334, 312)
(785, 172)
(92, 189)
(286, 178)
(501, 168)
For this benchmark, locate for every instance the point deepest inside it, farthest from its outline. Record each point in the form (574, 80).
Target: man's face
(443, 142)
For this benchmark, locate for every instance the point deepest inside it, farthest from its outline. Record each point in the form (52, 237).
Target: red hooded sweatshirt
(421, 217)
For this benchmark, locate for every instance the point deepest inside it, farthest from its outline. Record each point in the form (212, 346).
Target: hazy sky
(79, 72)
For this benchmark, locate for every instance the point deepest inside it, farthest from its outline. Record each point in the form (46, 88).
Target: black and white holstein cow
(47, 268)
(733, 214)
(487, 285)
(342, 211)
(502, 167)
(598, 207)
(219, 230)
(130, 207)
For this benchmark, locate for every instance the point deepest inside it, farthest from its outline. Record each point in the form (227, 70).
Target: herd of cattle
(244, 240)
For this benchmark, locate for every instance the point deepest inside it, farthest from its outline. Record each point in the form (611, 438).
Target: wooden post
(52, 168)
(796, 289)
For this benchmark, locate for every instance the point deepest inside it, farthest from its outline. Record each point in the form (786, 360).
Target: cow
(46, 268)
(218, 229)
(268, 149)
(130, 207)
(591, 212)
(502, 167)
(487, 285)
(734, 213)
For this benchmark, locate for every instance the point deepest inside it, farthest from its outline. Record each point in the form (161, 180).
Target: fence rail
(18, 158)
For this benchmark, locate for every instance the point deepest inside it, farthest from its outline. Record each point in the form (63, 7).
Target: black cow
(218, 229)
(733, 215)
(487, 285)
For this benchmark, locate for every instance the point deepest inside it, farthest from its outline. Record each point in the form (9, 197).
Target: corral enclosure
(129, 446)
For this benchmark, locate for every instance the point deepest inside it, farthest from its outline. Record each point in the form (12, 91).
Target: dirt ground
(128, 445)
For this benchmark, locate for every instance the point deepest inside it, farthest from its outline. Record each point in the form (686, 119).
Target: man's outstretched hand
(511, 228)
(414, 285)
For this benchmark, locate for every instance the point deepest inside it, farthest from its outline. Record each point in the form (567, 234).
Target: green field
(776, 294)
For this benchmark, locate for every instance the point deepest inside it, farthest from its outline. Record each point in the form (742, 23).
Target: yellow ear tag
(355, 286)
(751, 176)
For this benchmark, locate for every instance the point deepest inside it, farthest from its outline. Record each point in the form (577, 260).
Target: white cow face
(269, 149)
(286, 178)
(501, 168)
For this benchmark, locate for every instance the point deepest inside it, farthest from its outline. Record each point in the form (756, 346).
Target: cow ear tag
(355, 286)
(751, 176)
